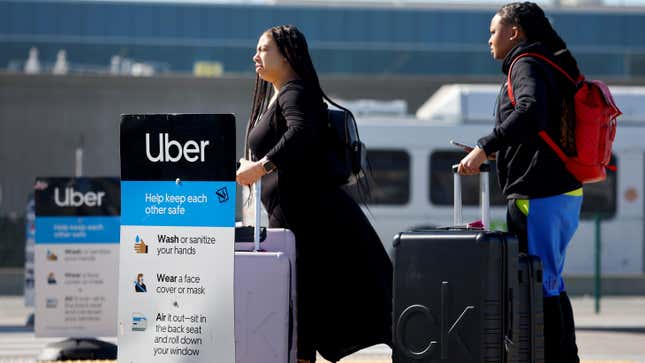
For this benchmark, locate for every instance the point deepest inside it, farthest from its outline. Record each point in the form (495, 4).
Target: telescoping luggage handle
(242, 234)
(484, 196)
(257, 199)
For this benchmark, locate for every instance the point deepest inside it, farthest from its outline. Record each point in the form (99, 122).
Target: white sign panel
(177, 239)
(76, 256)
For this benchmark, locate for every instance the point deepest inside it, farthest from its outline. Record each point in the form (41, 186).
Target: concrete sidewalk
(12, 311)
(617, 312)
(616, 335)
(623, 313)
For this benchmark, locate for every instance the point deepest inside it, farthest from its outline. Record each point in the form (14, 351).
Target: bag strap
(509, 90)
(509, 86)
(549, 141)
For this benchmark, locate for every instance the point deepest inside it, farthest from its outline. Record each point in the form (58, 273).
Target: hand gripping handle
(484, 196)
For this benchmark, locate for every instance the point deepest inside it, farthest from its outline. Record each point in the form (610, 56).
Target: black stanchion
(78, 349)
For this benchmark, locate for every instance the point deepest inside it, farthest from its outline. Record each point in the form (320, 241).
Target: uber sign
(75, 198)
(184, 146)
(191, 150)
(57, 197)
(176, 270)
(76, 254)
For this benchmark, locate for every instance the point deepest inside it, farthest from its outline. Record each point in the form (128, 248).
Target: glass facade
(343, 40)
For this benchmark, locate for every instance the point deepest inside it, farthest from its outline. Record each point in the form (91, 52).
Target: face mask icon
(139, 285)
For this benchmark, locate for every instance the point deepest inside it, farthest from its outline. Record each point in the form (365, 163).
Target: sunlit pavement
(616, 335)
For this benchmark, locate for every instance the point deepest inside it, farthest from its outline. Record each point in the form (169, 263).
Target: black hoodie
(526, 166)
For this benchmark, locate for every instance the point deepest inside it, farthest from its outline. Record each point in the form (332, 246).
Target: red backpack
(595, 126)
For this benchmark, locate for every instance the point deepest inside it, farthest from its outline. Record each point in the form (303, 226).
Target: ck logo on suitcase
(455, 296)
(475, 280)
(420, 314)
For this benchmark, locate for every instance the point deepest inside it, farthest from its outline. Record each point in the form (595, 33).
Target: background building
(349, 40)
(142, 57)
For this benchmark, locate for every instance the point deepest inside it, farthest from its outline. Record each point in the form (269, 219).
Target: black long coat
(344, 274)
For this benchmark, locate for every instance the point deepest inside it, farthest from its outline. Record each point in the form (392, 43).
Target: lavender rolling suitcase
(262, 298)
(272, 240)
(264, 242)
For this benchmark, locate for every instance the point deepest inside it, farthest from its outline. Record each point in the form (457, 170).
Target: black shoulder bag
(346, 154)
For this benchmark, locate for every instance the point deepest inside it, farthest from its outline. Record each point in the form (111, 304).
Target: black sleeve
(299, 109)
(530, 114)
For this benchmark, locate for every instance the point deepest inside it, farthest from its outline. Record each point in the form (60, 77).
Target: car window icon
(139, 322)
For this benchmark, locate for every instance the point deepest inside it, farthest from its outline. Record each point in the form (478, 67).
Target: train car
(411, 187)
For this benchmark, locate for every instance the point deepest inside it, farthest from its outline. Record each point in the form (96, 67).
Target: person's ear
(516, 33)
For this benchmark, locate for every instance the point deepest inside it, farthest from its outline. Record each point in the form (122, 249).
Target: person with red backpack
(544, 197)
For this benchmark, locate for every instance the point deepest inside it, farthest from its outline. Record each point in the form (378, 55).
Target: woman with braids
(544, 199)
(344, 276)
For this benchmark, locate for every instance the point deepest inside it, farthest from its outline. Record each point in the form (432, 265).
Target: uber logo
(173, 151)
(75, 198)
(447, 330)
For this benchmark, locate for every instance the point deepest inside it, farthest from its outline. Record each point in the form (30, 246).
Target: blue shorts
(550, 223)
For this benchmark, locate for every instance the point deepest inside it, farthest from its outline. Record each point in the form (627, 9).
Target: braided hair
(537, 28)
(293, 47)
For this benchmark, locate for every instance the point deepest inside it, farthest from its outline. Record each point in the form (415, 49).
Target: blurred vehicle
(412, 183)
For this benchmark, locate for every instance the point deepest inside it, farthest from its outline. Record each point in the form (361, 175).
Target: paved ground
(616, 335)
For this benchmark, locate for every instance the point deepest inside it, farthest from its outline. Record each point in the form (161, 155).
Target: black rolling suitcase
(530, 339)
(457, 295)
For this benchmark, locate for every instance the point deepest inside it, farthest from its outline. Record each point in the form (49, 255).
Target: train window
(441, 181)
(600, 198)
(390, 178)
